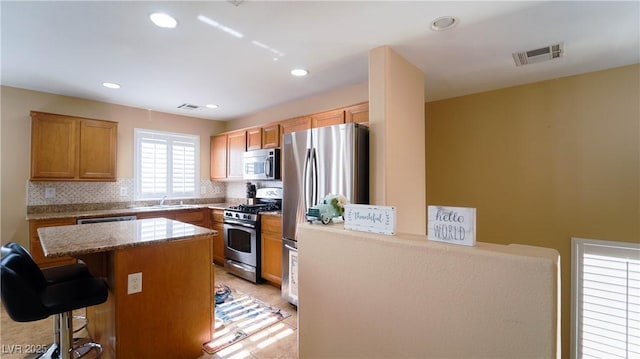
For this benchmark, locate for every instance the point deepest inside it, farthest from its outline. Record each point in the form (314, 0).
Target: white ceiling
(70, 48)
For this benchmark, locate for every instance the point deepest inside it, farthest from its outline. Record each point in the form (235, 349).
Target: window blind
(606, 279)
(166, 164)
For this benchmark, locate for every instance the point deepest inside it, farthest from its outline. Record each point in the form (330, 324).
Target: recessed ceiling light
(444, 23)
(299, 72)
(212, 106)
(163, 20)
(111, 85)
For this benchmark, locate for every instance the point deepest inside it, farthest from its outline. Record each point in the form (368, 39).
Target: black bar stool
(28, 296)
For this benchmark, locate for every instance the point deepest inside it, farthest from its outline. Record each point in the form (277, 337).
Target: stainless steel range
(242, 234)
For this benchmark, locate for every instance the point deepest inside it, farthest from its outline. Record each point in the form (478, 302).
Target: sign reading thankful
(367, 218)
(452, 225)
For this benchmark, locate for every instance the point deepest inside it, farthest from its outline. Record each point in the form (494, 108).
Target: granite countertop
(102, 237)
(121, 211)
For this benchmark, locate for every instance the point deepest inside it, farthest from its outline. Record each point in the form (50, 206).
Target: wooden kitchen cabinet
(271, 241)
(216, 219)
(227, 152)
(357, 113)
(68, 148)
(36, 248)
(218, 146)
(328, 118)
(254, 138)
(195, 216)
(236, 147)
(295, 124)
(271, 136)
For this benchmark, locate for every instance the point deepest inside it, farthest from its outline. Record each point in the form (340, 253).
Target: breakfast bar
(160, 277)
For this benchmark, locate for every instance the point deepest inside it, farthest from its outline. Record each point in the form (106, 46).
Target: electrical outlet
(49, 192)
(124, 191)
(134, 283)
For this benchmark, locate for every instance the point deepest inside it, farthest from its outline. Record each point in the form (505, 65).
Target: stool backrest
(20, 290)
(29, 268)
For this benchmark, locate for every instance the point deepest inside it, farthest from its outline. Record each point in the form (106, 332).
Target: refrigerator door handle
(315, 177)
(305, 179)
(290, 248)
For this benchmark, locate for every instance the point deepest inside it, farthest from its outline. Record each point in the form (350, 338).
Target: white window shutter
(166, 164)
(607, 299)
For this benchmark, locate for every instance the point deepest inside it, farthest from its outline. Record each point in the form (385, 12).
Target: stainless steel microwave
(262, 164)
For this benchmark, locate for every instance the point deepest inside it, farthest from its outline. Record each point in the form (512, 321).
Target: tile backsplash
(54, 193)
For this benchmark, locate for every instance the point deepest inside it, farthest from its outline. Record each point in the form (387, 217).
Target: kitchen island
(172, 314)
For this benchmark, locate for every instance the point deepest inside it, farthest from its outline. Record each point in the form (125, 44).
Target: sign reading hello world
(456, 225)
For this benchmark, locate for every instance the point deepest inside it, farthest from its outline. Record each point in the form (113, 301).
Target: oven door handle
(242, 224)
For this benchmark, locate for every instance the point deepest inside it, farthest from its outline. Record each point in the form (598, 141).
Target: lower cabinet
(271, 237)
(36, 248)
(197, 217)
(216, 219)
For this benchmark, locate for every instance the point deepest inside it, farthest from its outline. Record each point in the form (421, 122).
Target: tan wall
(16, 138)
(397, 154)
(543, 162)
(365, 295)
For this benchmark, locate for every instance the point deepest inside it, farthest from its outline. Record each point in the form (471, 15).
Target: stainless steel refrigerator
(317, 162)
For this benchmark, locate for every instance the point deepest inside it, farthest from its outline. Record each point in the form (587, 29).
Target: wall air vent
(187, 106)
(538, 55)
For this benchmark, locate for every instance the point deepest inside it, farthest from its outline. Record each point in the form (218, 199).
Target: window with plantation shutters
(606, 299)
(166, 164)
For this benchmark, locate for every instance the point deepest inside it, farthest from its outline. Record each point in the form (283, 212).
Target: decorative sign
(455, 225)
(368, 218)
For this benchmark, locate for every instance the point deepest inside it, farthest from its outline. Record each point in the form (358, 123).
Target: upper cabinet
(236, 147)
(219, 157)
(295, 124)
(67, 148)
(227, 151)
(254, 138)
(328, 118)
(271, 136)
(357, 113)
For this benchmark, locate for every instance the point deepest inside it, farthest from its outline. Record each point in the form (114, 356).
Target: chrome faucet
(162, 200)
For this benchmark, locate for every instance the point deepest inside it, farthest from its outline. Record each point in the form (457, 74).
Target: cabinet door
(236, 147)
(35, 248)
(54, 141)
(97, 150)
(272, 258)
(271, 241)
(254, 139)
(218, 240)
(328, 118)
(271, 136)
(218, 157)
(196, 217)
(295, 124)
(358, 113)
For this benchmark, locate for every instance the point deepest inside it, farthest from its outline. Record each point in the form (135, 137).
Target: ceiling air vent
(187, 106)
(538, 55)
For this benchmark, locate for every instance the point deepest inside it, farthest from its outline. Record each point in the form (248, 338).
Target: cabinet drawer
(271, 224)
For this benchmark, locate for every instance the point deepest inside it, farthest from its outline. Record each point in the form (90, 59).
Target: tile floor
(277, 341)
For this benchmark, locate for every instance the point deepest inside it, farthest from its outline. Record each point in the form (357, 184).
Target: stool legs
(66, 335)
